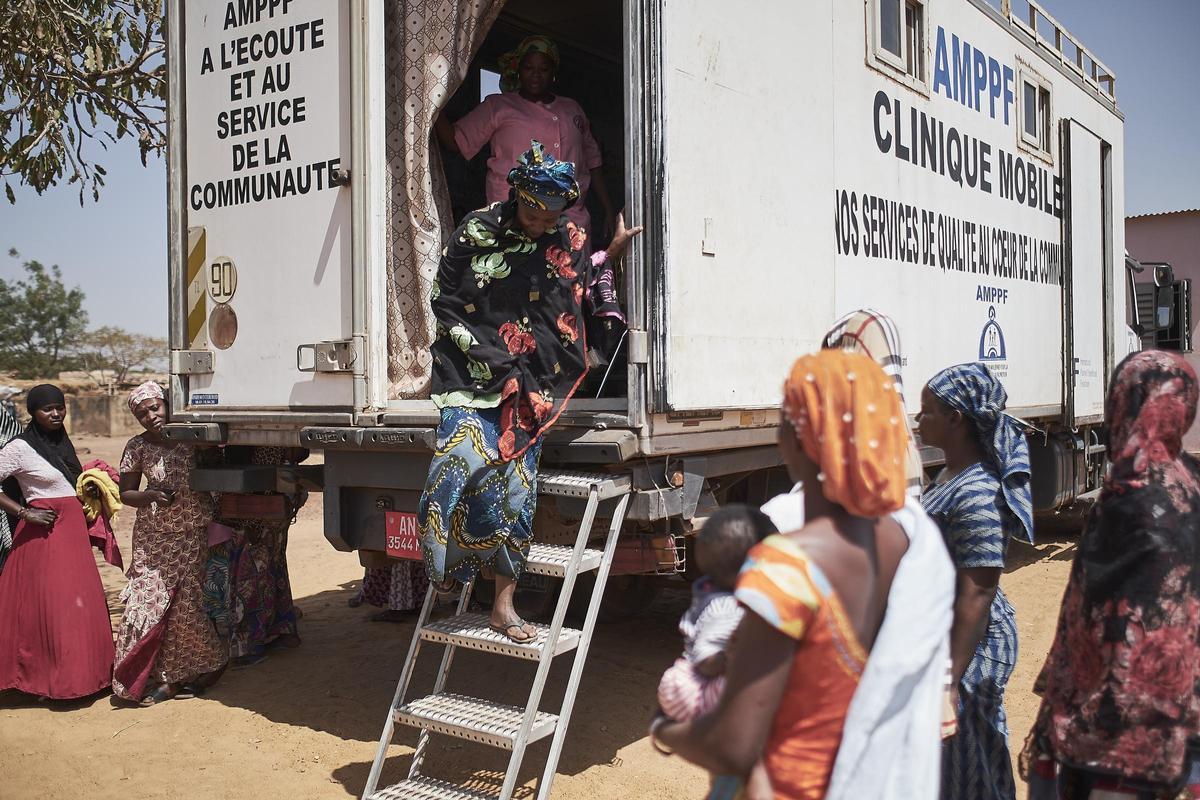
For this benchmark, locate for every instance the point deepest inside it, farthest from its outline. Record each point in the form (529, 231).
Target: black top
(509, 314)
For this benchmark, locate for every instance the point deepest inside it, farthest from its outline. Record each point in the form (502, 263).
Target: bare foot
(504, 617)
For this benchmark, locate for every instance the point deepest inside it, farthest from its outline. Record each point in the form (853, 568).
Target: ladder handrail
(410, 663)
(597, 491)
(418, 757)
(547, 658)
(579, 659)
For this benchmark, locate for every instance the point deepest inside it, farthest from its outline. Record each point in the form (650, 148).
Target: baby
(692, 686)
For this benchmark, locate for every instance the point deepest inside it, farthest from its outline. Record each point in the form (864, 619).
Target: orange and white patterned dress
(788, 591)
(165, 635)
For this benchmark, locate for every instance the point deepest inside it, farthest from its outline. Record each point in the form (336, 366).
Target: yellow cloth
(98, 494)
(849, 421)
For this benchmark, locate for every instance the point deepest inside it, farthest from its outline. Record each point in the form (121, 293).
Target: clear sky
(116, 249)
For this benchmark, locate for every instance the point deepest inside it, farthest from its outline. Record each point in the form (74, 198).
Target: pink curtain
(430, 45)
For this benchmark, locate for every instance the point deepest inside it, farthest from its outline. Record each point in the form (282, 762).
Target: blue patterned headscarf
(974, 392)
(542, 181)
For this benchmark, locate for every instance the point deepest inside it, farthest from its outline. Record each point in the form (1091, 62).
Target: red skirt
(55, 635)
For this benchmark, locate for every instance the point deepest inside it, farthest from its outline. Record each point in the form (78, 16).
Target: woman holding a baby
(797, 710)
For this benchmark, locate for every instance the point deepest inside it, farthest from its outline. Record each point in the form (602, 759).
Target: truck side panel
(948, 217)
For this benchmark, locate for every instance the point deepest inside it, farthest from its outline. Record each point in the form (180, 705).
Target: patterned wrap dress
(976, 525)
(398, 587)
(166, 635)
(261, 608)
(508, 357)
(1120, 688)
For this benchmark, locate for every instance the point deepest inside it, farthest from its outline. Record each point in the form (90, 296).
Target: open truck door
(725, 314)
(263, 259)
(1088, 288)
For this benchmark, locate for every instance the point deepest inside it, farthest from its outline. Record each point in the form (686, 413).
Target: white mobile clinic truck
(956, 164)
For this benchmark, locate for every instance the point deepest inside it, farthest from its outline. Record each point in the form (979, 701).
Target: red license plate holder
(401, 535)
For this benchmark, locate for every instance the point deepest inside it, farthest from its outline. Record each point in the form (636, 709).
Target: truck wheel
(625, 596)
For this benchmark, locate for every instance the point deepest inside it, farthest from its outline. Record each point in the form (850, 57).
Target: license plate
(402, 540)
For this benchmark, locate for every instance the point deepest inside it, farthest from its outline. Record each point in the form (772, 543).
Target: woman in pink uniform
(527, 109)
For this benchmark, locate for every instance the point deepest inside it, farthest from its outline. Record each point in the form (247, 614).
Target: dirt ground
(305, 723)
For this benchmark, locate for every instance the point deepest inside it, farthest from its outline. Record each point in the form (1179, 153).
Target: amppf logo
(991, 340)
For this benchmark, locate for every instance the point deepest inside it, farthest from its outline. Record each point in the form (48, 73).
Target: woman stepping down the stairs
(510, 302)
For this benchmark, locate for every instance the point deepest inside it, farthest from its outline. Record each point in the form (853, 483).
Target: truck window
(914, 41)
(1037, 126)
(898, 34)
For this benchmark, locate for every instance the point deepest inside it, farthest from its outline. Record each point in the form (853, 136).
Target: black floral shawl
(509, 313)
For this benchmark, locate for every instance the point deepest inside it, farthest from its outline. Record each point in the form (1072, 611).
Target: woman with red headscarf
(1120, 710)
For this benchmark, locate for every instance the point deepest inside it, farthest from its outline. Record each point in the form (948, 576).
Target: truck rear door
(738, 297)
(267, 285)
(1087, 280)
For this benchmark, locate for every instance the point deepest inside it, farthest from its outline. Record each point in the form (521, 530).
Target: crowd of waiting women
(835, 673)
(203, 591)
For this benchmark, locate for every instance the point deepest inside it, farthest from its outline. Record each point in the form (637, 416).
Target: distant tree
(75, 74)
(40, 323)
(119, 352)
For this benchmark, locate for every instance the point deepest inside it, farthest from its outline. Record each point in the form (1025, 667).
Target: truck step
(472, 719)
(422, 788)
(472, 631)
(553, 559)
(560, 483)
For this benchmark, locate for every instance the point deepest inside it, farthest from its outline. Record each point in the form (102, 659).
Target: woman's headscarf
(1151, 405)
(875, 335)
(973, 391)
(849, 421)
(54, 446)
(147, 391)
(1119, 685)
(542, 181)
(510, 62)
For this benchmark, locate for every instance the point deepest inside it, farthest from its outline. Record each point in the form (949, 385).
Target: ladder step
(472, 719)
(579, 484)
(428, 789)
(553, 559)
(473, 631)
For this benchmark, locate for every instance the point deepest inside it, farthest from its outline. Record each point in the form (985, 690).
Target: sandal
(446, 590)
(160, 695)
(518, 623)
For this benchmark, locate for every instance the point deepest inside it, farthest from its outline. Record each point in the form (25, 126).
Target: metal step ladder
(510, 728)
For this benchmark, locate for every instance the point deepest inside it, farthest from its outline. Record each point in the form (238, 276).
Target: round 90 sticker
(222, 279)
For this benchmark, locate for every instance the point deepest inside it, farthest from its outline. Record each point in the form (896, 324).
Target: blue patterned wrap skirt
(477, 509)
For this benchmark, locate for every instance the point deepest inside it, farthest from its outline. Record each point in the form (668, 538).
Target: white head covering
(147, 391)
